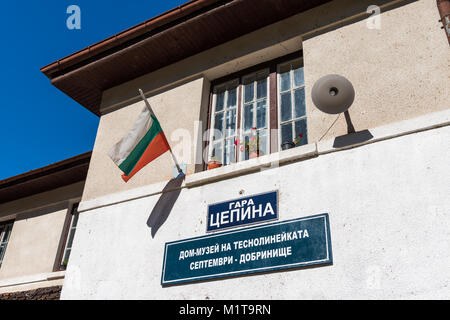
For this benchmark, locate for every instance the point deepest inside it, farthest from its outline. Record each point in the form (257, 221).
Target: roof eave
(187, 30)
(47, 178)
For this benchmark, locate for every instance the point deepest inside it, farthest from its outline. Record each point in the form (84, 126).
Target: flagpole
(151, 110)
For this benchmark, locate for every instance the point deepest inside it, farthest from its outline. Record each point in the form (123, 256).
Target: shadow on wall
(165, 203)
(352, 139)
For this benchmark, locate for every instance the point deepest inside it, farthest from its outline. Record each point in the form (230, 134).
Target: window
(224, 122)
(5, 234)
(291, 99)
(69, 235)
(253, 112)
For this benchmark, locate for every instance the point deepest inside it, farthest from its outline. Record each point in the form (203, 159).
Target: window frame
(274, 144)
(4, 225)
(292, 90)
(242, 132)
(212, 119)
(65, 237)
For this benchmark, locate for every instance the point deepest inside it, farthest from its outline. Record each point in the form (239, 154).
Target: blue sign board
(275, 246)
(258, 208)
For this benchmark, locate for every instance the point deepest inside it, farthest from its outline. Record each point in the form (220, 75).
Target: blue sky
(39, 124)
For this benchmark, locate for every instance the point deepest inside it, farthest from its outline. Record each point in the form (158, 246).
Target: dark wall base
(50, 293)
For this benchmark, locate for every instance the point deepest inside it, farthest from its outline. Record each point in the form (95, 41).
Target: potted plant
(255, 154)
(214, 163)
(291, 144)
(64, 265)
(287, 145)
(253, 145)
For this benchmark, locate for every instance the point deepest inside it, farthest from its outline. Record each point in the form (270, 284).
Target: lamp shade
(333, 94)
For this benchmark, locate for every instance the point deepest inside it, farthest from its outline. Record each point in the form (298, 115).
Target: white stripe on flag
(123, 148)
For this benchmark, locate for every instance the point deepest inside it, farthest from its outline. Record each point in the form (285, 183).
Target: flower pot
(287, 145)
(214, 164)
(255, 154)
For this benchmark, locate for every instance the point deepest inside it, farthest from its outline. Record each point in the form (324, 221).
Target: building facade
(220, 73)
(38, 218)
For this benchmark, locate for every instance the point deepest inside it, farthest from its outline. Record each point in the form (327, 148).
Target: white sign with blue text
(244, 211)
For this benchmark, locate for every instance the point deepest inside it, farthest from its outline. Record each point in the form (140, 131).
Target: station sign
(244, 211)
(274, 246)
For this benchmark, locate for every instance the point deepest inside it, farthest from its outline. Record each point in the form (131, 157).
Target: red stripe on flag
(157, 147)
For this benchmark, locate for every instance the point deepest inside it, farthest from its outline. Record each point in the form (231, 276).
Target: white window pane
(299, 97)
(261, 89)
(74, 220)
(249, 92)
(231, 98)
(292, 103)
(251, 143)
(261, 114)
(248, 117)
(224, 120)
(226, 160)
(230, 123)
(2, 252)
(285, 81)
(299, 79)
(70, 239)
(218, 123)
(263, 142)
(230, 152)
(217, 151)
(286, 132)
(286, 108)
(7, 234)
(245, 146)
(220, 101)
(256, 143)
(301, 132)
(66, 257)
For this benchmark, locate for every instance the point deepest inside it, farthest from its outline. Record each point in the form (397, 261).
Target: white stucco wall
(389, 209)
(37, 230)
(388, 201)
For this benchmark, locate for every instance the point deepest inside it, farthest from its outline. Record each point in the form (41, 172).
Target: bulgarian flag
(143, 144)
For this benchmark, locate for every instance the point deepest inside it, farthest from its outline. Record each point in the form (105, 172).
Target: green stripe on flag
(130, 162)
